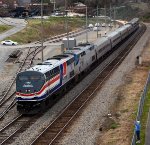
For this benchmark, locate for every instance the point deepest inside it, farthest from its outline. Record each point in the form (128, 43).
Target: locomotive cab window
(83, 53)
(47, 74)
(52, 73)
(70, 61)
(35, 77)
(30, 78)
(23, 78)
(91, 48)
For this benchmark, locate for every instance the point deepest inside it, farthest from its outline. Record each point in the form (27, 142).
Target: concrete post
(140, 60)
(62, 48)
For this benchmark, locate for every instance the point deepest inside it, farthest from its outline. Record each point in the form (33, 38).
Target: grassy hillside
(51, 27)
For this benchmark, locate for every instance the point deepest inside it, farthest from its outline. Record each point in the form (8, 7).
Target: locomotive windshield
(29, 82)
(27, 78)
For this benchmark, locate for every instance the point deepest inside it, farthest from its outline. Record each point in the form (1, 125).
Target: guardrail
(140, 107)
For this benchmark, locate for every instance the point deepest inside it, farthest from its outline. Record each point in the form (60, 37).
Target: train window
(91, 48)
(23, 78)
(70, 61)
(53, 72)
(93, 57)
(35, 77)
(101, 49)
(56, 70)
(115, 39)
(76, 48)
(76, 59)
(83, 53)
(71, 73)
(47, 74)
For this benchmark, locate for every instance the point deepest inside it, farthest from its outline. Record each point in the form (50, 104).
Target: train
(40, 85)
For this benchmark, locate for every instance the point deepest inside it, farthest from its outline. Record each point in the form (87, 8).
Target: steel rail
(13, 102)
(22, 123)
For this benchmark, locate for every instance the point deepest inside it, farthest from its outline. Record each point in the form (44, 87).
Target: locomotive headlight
(27, 90)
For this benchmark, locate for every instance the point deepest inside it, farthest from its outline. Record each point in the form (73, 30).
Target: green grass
(4, 28)
(114, 125)
(145, 117)
(146, 18)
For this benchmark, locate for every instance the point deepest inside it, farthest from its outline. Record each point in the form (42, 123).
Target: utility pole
(115, 17)
(110, 15)
(86, 26)
(54, 5)
(97, 22)
(67, 29)
(105, 18)
(42, 29)
(53, 2)
(65, 4)
(66, 23)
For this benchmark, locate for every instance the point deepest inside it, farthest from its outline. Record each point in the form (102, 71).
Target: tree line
(90, 3)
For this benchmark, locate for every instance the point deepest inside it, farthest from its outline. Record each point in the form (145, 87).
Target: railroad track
(52, 134)
(19, 124)
(10, 92)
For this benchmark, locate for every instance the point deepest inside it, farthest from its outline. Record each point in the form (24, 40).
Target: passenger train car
(40, 85)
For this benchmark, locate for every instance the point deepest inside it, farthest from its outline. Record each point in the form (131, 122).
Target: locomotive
(39, 86)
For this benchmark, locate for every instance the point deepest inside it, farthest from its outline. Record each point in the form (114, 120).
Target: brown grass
(51, 27)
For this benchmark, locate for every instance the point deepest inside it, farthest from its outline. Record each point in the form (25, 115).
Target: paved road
(18, 25)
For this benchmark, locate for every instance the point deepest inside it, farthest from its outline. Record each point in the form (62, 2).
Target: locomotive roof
(135, 20)
(80, 48)
(83, 47)
(111, 34)
(50, 63)
(74, 51)
(85, 44)
(123, 28)
(101, 40)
